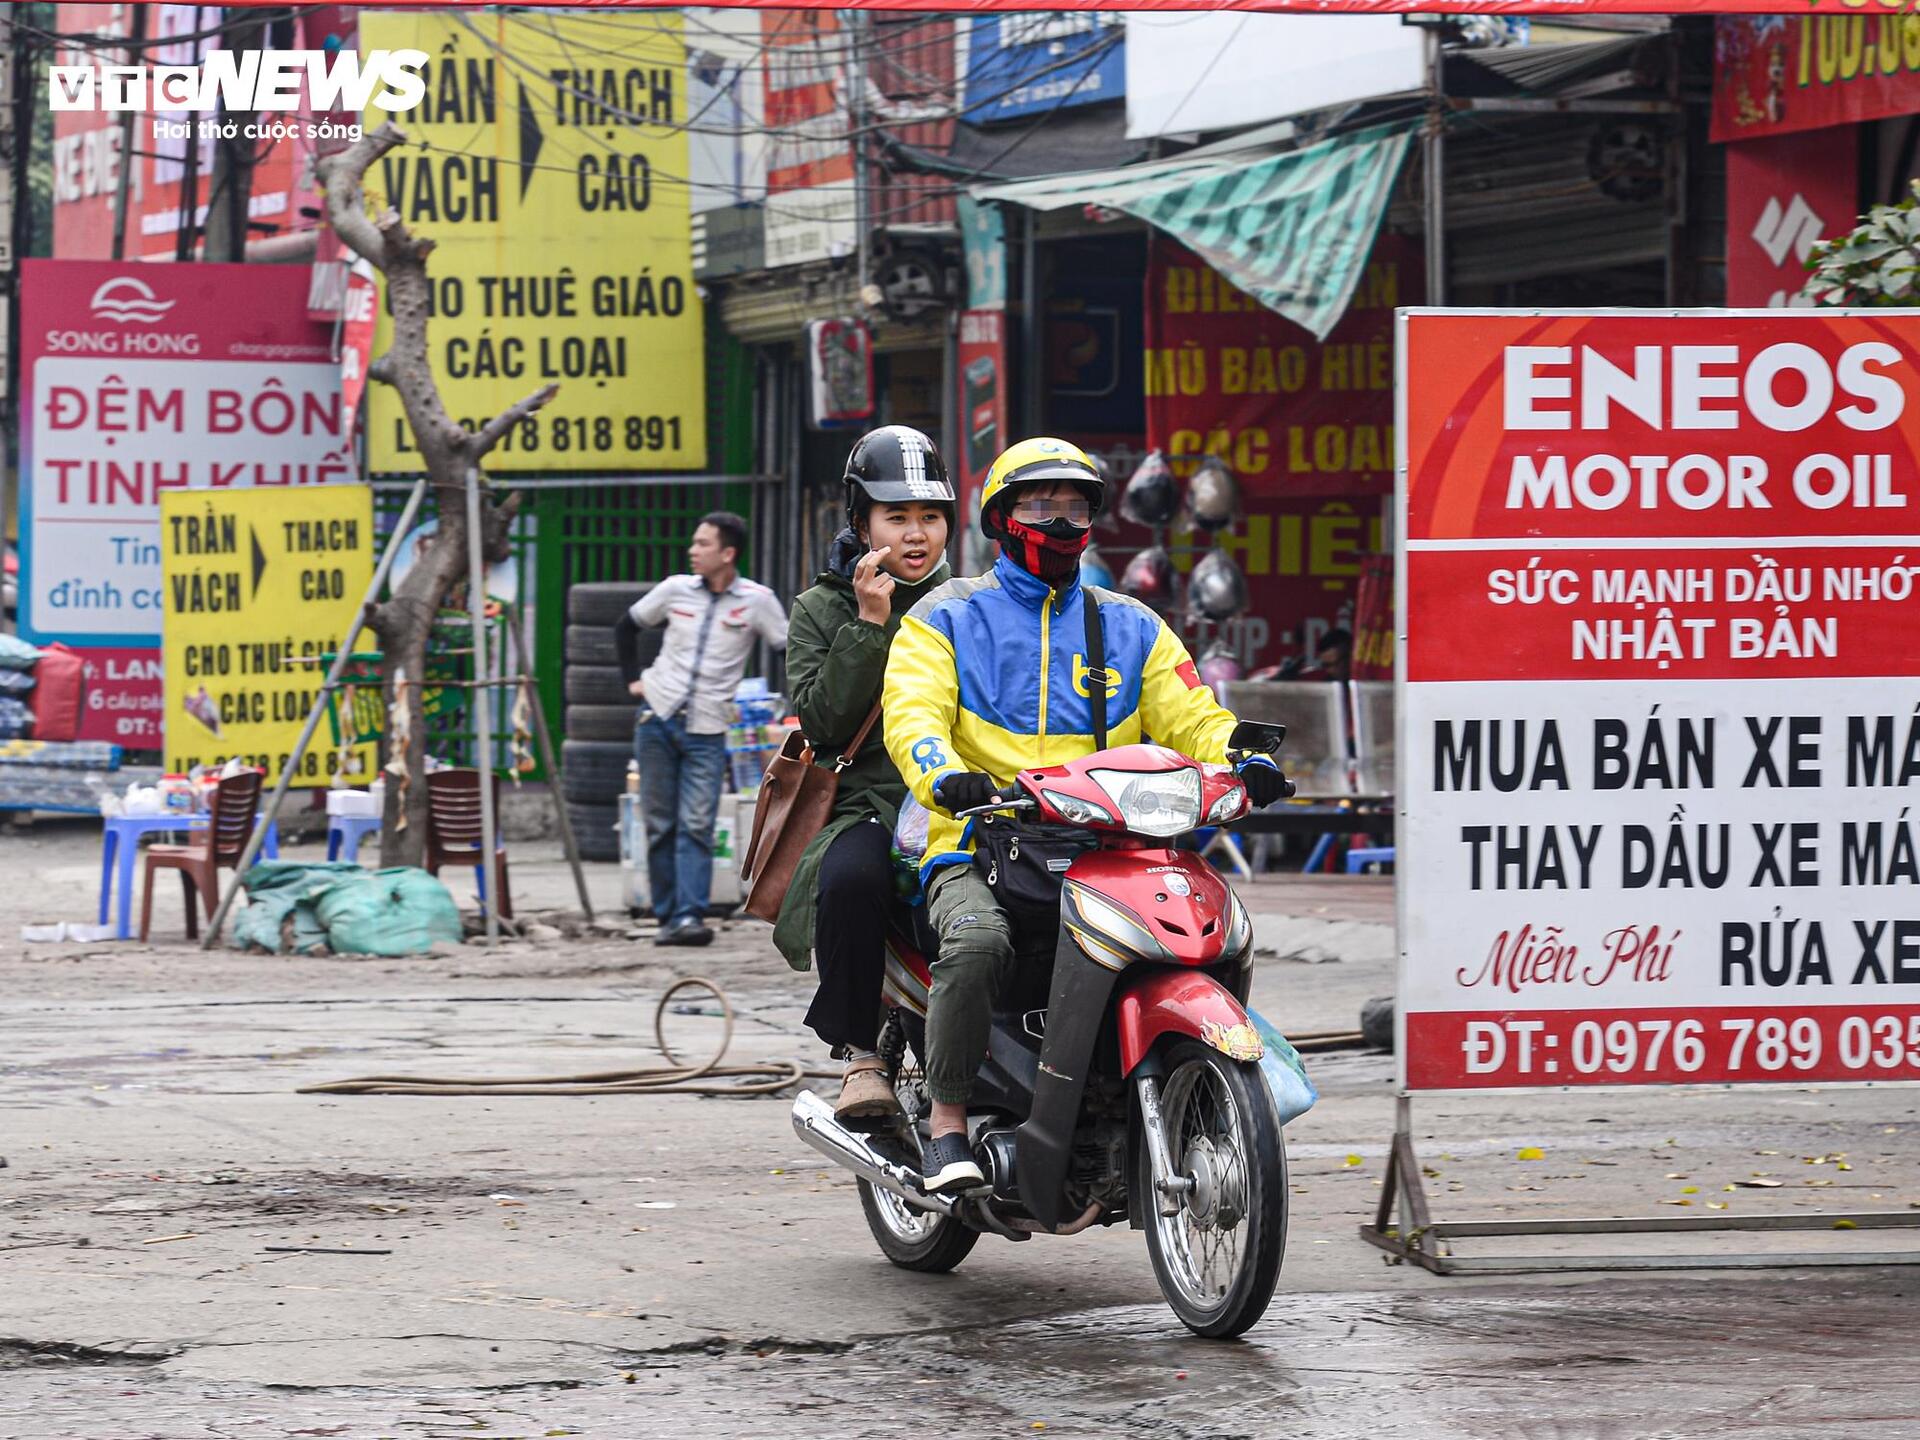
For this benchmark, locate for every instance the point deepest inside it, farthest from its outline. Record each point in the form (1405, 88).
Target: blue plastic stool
(344, 834)
(1359, 858)
(120, 852)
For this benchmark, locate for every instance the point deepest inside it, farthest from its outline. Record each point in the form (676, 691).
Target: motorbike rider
(900, 510)
(989, 676)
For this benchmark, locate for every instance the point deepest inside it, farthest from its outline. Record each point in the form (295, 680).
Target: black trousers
(855, 902)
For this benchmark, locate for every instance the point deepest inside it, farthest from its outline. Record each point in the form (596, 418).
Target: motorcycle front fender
(1156, 1002)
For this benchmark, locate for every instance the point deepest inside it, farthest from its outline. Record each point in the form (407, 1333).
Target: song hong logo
(246, 81)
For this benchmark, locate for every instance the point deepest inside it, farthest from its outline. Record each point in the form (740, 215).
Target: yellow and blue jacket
(990, 675)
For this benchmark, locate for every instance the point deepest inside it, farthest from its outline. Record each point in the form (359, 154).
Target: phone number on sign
(1566, 1047)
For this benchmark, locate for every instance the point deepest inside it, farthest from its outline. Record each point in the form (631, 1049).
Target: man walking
(713, 616)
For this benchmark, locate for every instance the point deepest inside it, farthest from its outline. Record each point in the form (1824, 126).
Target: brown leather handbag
(796, 797)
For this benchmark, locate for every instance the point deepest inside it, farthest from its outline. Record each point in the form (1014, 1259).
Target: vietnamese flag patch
(1188, 672)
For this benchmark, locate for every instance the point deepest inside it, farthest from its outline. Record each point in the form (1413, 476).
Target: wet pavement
(616, 1267)
(1788, 1356)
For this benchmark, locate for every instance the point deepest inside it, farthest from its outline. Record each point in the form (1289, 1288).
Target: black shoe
(950, 1166)
(688, 931)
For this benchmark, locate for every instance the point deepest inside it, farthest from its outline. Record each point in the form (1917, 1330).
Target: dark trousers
(850, 935)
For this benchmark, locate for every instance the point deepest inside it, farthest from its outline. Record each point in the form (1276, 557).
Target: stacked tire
(599, 714)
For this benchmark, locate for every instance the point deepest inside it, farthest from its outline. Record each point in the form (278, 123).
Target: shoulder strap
(859, 739)
(1096, 666)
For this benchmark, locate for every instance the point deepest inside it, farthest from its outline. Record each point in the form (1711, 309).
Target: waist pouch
(1025, 866)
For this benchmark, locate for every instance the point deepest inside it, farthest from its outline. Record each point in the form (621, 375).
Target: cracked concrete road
(679, 1266)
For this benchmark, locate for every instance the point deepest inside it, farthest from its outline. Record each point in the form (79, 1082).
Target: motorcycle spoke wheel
(910, 1237)
(1218, 1258)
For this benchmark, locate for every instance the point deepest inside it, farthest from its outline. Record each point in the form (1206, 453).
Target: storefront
(1820, 117)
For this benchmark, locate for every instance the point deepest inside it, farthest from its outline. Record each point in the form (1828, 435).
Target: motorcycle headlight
(1076, 811)
(1162, 804)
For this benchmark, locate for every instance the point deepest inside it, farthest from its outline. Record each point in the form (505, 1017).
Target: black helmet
(895, 463)
(1152, 494)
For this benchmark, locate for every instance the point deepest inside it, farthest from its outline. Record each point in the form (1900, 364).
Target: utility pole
(228, 209)
(128, 160)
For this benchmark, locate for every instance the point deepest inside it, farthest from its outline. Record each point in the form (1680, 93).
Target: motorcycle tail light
(1156, 803)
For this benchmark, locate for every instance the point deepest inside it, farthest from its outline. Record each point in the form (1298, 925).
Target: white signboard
(1660, 698)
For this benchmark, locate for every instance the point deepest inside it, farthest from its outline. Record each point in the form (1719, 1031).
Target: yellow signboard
(548, 163)
(253, 582)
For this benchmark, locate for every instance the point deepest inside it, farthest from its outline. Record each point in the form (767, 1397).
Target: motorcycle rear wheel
(1218, 1260)
(913, 1239)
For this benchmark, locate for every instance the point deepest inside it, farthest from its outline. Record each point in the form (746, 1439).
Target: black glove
(965, 790)
(1265, 784)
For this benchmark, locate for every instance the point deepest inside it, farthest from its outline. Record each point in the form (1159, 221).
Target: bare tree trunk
(449, 451)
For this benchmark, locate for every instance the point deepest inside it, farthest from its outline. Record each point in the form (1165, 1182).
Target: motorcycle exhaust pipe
(813, 1122)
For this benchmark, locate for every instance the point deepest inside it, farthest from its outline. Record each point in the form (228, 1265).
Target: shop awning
(1293, 230)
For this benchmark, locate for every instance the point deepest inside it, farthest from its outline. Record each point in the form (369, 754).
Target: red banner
(1777, 73)
(982, 408)
(1288, 414)
(1784, 192)
(1373, 617)
(1657, 725)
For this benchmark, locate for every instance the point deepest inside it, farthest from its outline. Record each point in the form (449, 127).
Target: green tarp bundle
(303, 909)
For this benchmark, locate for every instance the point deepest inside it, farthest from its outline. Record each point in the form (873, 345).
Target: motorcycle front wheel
(1218, 1259)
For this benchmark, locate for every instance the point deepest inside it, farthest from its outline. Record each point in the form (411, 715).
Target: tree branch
(490, 433)
(341, 177)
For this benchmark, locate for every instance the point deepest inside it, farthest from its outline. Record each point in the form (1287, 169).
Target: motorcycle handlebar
(1016, 802)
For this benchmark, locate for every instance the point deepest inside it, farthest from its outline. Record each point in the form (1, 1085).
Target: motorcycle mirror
(1257, 738)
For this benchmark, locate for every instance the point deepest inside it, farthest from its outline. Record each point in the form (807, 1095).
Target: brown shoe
(864, 1091)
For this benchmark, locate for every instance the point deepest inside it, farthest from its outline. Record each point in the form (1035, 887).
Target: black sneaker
(685, 932)
(950, 1166)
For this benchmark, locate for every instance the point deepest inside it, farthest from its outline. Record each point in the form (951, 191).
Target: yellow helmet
(1043, 458)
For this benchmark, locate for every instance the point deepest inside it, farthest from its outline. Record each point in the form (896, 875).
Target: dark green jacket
(835, 665)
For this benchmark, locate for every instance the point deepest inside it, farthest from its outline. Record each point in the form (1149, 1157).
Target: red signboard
(1784, 192)
(1658, 733)
(1290, 415)
(140, 378)
(1774, 74)
(1306, 426)
(982, 363)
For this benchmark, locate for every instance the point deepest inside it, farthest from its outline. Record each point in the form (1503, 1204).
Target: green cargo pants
(974, 963)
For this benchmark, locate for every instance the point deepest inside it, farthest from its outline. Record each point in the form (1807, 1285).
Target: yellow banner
(548, 163)
(252, 583)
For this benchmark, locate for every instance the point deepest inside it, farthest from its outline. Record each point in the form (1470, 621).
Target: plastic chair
(453, 831)
(236, 799)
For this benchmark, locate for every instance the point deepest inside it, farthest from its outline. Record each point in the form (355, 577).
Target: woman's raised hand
(873, 587)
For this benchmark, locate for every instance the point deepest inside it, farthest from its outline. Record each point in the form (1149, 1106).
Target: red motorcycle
(1122, 1082)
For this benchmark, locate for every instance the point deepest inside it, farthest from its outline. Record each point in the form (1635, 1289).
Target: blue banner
(1033, 63)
